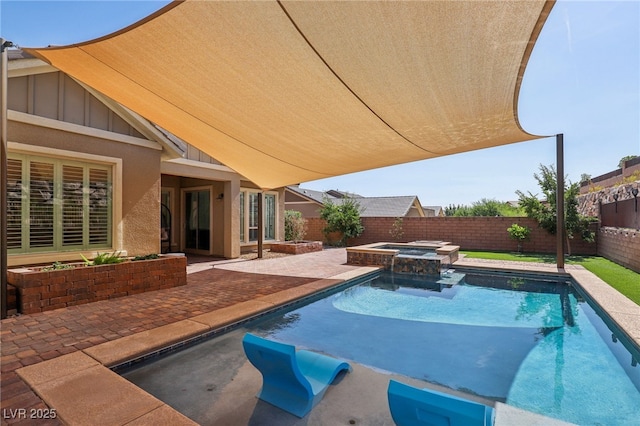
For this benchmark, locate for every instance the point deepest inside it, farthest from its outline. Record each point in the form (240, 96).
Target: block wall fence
(620, 245)
(470, 233)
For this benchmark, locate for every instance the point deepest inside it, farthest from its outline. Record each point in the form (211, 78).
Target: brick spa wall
(296, 248)
(40, 291)
(470, 233)
(620, 245)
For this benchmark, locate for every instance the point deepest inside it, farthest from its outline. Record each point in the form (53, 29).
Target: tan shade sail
(287, 92)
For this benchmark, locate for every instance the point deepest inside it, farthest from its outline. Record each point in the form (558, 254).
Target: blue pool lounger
(411, 406)
(292, 380)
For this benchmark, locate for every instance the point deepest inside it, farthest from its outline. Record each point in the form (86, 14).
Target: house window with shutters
(55, 204)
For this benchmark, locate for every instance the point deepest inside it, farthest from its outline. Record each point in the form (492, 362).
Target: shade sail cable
(330, 68)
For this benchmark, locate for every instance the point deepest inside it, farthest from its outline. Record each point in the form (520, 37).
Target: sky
(582, 80)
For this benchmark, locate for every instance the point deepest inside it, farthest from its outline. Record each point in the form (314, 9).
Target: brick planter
(297, 248)
(40, 291)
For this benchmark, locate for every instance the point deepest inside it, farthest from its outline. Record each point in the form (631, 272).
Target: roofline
(21, 67)
(290, 188)
(141, 124)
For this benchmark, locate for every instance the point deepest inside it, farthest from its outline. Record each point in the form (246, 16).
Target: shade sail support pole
(4, 66)
(560, 224)
(260, 223)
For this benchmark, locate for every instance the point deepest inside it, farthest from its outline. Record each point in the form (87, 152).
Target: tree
(585, 177)
(545, 211)
(625, 158)
(343, 218)
(396, 230)
(519, 233)
(484, 207)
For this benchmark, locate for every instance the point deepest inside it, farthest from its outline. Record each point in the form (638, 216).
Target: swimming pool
(531, 342)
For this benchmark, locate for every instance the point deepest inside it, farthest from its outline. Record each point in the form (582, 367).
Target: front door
(198, 220)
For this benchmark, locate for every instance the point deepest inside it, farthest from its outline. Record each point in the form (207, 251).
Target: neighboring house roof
(342, 194)
(436, 209)
(310, 194)
(398, 206)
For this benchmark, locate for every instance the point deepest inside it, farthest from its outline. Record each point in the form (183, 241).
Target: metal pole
(3, 175)
(260, 224)
(560, 225)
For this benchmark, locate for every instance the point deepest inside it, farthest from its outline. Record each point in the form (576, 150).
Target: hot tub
(424, 258)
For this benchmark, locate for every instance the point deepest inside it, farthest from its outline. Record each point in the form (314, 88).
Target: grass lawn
(622, 279)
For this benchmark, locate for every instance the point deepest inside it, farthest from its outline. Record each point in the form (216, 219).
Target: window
(249, 216)
(57, 205)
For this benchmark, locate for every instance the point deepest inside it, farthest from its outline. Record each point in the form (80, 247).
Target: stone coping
(622, 311)
(375, 247)
(80, 387)
(441, 247)
(446, 250)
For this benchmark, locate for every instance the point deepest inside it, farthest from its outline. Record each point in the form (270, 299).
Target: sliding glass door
(198, 220)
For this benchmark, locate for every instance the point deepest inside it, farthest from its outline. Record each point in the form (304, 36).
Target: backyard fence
(621, 214)
(470, 233)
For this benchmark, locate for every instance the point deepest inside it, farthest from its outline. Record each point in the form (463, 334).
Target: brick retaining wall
(620, 245)
(470, 233)
(46, 290)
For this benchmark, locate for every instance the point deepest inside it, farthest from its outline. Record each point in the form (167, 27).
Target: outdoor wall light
(615, 196)
(634, 191)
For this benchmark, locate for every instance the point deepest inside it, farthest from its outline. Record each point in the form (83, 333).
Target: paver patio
(30, 339)
(215, 288)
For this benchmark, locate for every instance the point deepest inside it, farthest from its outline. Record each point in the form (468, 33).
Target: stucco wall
(140, 205)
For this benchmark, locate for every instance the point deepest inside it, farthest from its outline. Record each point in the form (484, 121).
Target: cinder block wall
(470, 233)
(621, 245)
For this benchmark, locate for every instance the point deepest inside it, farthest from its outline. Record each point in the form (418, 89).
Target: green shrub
(103, 259)
(343, 218)
(295, 226)
(56, 266)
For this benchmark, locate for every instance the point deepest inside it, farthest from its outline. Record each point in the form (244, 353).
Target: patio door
(197, 208)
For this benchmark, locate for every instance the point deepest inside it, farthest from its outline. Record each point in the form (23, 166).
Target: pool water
(410, 251)
(531, 343)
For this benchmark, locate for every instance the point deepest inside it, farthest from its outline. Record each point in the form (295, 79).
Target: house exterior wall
(56, 96)
(301, 204)
(308, 210)
(470, 233)
(137, 223)
(51, 111)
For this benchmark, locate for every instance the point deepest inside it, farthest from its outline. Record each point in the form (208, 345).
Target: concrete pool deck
(59, 359)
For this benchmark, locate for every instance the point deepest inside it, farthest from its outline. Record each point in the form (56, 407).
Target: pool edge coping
(79, 364)
(58, 376)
